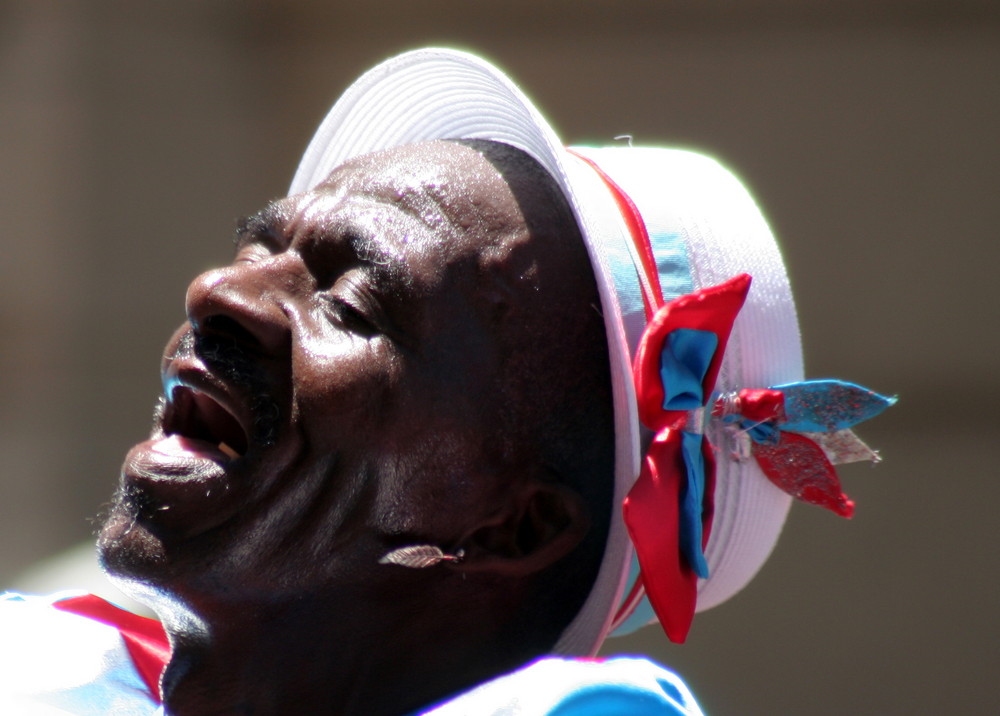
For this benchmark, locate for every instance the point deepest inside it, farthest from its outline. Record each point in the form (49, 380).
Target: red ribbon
(652, 508)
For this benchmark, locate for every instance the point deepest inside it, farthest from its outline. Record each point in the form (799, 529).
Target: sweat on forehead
(437, 182)
(434, 203)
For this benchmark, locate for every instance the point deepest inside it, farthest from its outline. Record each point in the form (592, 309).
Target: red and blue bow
(796, 432)
(674, 370)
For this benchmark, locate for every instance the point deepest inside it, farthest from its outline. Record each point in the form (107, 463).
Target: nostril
(227, 347)
(225, 344)
(241, 305)
(223, 325)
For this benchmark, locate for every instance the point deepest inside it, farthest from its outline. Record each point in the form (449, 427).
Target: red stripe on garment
(144, 638)
(640, 237)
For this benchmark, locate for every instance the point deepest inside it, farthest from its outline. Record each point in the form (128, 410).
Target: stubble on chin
(120, 546)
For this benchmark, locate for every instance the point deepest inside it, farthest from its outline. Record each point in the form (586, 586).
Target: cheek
(432, 473)
(414, 432)
(341, 385)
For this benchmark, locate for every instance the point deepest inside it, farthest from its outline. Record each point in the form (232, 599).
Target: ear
(543, 523)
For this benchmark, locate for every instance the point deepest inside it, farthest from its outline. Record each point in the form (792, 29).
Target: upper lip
(201, 407)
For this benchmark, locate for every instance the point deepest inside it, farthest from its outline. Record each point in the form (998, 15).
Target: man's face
(334, 393)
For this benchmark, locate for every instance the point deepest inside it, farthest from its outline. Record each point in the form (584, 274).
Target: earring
(419, 556)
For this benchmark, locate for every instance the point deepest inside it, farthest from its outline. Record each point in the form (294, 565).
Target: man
(371, 372)
(395, 434)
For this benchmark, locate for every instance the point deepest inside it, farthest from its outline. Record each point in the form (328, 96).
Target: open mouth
(196, 416)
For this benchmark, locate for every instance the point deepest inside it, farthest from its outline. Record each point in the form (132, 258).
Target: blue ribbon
(691, 503)
(685, 359)
(687, 354)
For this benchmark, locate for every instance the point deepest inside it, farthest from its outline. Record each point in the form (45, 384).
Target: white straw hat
(704, 229)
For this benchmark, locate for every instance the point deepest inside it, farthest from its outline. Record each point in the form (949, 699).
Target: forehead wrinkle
(435, 184)
(432, 189)
(455, 204)
(422, 202)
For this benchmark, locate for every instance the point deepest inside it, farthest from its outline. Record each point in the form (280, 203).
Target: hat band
(635, 601)
(642, 250)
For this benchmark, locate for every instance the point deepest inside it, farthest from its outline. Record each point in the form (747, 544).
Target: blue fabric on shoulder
(573, 687)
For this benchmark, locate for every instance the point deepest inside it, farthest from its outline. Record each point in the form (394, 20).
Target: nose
(243, 302)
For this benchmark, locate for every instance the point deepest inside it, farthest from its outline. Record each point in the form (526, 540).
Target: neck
(328, 659)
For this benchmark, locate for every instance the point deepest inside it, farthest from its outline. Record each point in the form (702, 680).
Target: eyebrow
(269, 223)
(384, 264)
(266, 223)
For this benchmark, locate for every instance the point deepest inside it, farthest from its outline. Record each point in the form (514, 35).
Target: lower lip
(183, 485)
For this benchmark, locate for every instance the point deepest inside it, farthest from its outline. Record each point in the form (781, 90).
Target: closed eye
(350, 317)
(250, 251)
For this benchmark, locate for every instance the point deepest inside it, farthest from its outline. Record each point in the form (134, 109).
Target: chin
(127, 549)
(173, 612)
(135, 561)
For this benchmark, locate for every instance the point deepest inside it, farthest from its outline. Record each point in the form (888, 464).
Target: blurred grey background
(133, 133)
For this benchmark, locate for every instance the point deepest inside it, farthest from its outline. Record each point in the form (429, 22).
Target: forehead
(432, 200)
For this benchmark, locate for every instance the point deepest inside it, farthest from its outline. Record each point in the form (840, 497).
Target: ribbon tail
(697, 501)
(843, 446)
(654, 516)
(799, 466)
(829, 405)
